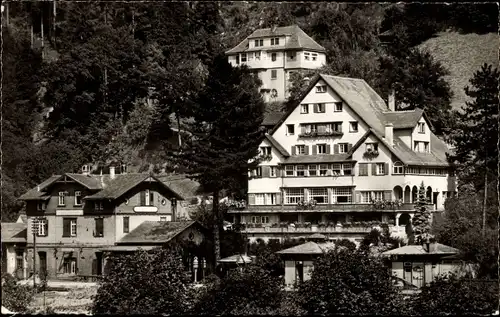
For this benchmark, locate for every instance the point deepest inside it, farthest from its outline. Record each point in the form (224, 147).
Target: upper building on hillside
(275, 53)
(343, 159)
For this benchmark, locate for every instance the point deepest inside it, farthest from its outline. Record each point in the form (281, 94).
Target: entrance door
(418, 274)
(20, 264)
(435, 199)
(299, 272)
(98, 256)
(43, 263)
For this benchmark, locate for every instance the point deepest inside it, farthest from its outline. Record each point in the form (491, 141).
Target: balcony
(350, 207)
(320, 134)
(314, 229)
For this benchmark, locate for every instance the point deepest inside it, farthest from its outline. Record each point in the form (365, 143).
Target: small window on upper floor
(398, 168)
(314, 56)
(61, 201)
(353, 126)
(265, 150)
(78, 198)
(300, 149)
(321, 89)
(275, 41)
(338, 107)
(274, 74)
(259, 43)
(290, 129)
(304, 108)
(372, 147)
(321, 148)
(243, 57)
(273, 57)
(307, 56)
(421, 127)
(319, 107)
(291, 55)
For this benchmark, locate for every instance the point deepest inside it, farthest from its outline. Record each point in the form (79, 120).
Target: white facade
(327, 140)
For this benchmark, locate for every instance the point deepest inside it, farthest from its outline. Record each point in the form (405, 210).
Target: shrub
(15, 297)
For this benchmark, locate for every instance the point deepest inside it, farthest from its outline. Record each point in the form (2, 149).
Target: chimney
(112, 172)
(389, 133)
(273, 29)
(392, 101)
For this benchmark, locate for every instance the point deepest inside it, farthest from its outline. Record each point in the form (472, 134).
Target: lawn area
(462, 55)
(75, 301)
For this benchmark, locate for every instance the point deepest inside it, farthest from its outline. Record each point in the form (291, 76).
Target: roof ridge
(342, 77)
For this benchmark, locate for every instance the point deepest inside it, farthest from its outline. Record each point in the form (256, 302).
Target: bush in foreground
(15, 297)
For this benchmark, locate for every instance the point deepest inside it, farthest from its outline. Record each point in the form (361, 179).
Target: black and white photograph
(250, 158)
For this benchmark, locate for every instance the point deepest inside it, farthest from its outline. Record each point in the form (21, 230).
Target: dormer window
(321, 89)
(259, 43)
(421, 127)
(421, 146)
(275, 41)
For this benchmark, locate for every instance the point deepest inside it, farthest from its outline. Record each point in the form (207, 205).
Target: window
(273, 57)
(426, 147)
(163, 219)
(259, 43)
(398, 168)
(301, 170)
(338, 107)
(275, 41)
(289, 170)
(237, 59)
(257, 56)
(124, 169)
(257, 172)
(323, 168)
(290, 129)
(378, 195)
(270, 199)
(40, 206)
(99, 227)
(319, 194)
(98, 205)
(291, 55)
(336, 169)
(342, 195)
(321, 148)
(337, 126)
(43, 227)
(243, 57)
(371, 146)
(304, 108)
(365, 197)
(274, 74)
(126, 224)
(78, 198)
(380, 169)
(272, 172)
(343, 147)
(421, 127)
(259, 199)
(313, 170)
(347, 169)
(306, 56)
(363, 169)
(314, 56)
(69, 265)
(420, 146)
(293, 195)
(148, 198)
(264, 219)
(256, 219)
(69, 227)
(300, 149)
(319, 108)
(61, 201)
(321, 89)
(353, 126)
(265, 150)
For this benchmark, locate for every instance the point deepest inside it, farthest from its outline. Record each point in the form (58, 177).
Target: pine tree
(225, 133)
(421, 221)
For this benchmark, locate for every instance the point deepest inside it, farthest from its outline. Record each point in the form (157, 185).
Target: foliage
(475, 134)
(145, 282)
(381, 239)
(352, 283)
(451, 295)
(251, 290)
(461, 227)
(15, 297)
(421, 221)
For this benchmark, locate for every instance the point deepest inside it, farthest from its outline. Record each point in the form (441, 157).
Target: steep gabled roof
(277, 146)
(182, 185)
(156, 232)
(38, 191)
(272, 118)
(404, 119)
(298, 40)
(13, 232)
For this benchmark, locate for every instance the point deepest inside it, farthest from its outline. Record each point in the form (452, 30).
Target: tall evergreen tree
(421, 221)
(225, 133)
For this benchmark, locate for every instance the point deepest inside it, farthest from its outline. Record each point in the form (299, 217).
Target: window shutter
(66, 229)
(386, 169)
(143, 198)
(349, 147)
(340, 127)
(387, 195)
(293, 150)
(46, 225)
(303, 129)
(314, 149)
(266, 171)
(335, 149)
(251, 199)
(151, 198)
(374, 168)
(328, 149)
(278, 198)
(358, 196)
(306, 150)
(315, 108)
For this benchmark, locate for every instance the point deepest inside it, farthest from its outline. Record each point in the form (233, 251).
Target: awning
(129, 248)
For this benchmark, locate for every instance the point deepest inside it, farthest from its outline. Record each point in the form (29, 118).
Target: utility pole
(34, 229)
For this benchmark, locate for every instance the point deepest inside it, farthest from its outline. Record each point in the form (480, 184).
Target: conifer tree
(225, 133)
(422, 218)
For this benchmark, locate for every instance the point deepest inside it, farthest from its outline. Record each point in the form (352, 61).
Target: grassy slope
(462, 55)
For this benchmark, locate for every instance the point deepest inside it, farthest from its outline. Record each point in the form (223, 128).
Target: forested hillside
(95, 66)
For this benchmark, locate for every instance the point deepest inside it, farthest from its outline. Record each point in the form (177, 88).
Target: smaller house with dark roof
(421, 264)
(14, 259)
(79, 214)
(274, 54)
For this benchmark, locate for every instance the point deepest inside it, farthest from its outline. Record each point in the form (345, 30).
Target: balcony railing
(312, 229)
(350, 207)
(316, 134)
